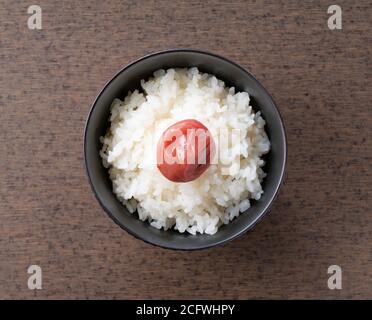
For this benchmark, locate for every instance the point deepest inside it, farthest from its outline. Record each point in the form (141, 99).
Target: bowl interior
(129, 79)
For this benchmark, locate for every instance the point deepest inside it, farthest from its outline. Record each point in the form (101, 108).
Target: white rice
(129, 151)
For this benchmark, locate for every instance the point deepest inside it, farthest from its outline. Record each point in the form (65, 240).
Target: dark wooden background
(321, 81)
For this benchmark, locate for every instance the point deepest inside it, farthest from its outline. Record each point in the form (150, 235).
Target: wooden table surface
(321, 81)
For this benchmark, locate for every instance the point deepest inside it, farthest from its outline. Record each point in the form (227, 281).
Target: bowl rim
(247, 228)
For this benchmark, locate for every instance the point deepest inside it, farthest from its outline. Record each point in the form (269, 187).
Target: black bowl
(129, 79)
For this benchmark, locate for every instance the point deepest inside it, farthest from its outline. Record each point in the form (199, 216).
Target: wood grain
(321, 81)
